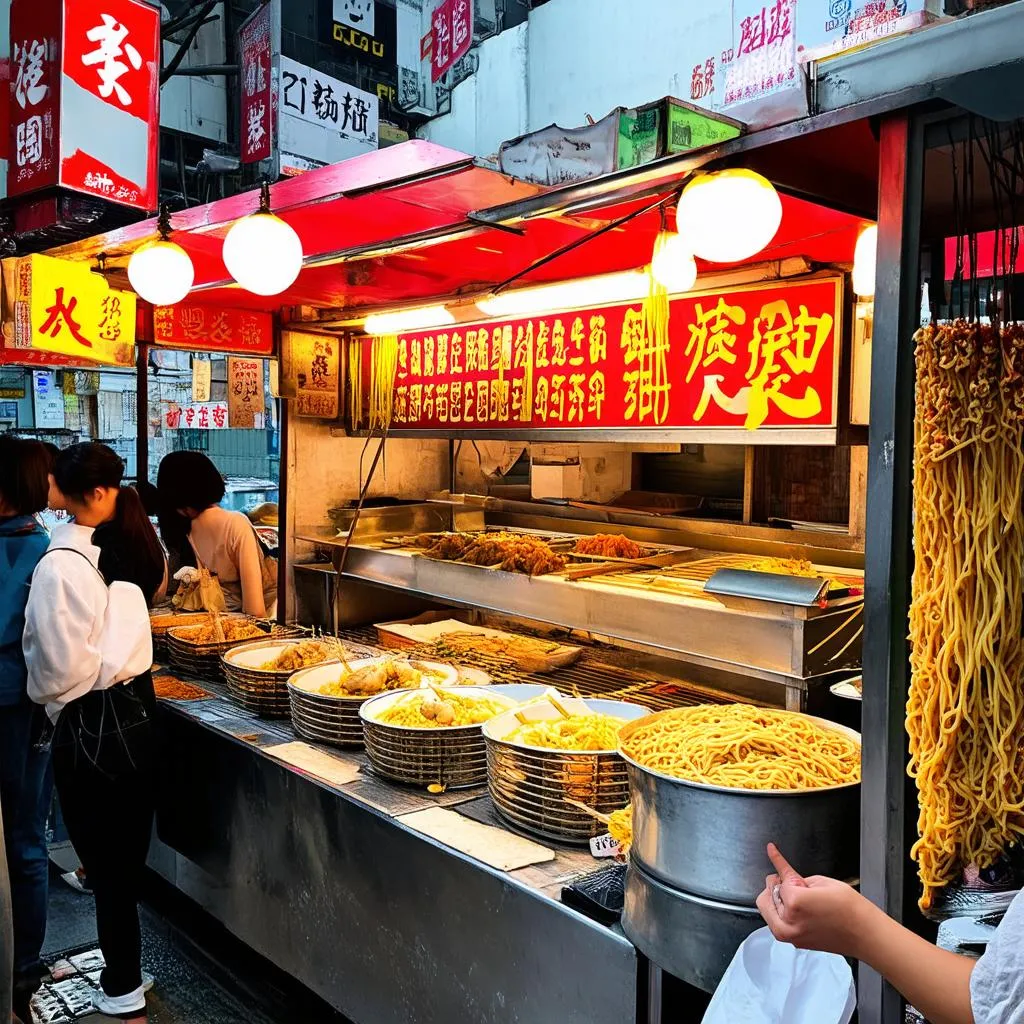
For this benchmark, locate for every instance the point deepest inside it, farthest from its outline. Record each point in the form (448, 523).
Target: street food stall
(452, 330)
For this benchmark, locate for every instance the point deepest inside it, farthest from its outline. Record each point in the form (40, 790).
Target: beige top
(226, 544)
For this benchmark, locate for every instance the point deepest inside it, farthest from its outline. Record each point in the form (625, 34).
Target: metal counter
(386, 925)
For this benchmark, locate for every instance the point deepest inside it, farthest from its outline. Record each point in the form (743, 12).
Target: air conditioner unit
(486, 18)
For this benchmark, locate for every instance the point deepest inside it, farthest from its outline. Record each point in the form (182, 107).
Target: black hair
(52, 452)
(185, 480)
(24, 474)
(129, 549)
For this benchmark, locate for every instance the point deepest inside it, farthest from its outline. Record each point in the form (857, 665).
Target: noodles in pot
(744, 747)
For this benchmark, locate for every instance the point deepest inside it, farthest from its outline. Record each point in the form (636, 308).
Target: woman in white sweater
(88, 652)
(200, 532)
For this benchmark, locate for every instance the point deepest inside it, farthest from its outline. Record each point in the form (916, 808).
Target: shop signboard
(247, 405)
(85, 97)
(828, 27)
(310, 373)
(759, 357)
(196, 416)
(47, 400)
(355, 14)
(323, 120)
(202, 380)
(63, 308)
(451, 35)
(259, 50)
(198, 328)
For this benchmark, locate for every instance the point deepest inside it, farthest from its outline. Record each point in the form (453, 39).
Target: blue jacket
(22, 543)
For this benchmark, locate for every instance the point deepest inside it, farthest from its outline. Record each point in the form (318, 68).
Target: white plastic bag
(771, 982)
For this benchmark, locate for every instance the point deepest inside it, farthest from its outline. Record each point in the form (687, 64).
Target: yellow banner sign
(65, 308)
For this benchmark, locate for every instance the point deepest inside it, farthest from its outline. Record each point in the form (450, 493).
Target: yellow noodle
(576, 732)
(408, 711)
(965, 710)
(383, 367)
(620, 827)
(745, 747)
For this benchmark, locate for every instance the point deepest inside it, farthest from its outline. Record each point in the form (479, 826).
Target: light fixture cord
(265, 196)
(163, 224)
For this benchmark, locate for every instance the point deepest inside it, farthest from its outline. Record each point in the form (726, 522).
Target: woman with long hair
(89, 652)
(26, 782)
(193, 524)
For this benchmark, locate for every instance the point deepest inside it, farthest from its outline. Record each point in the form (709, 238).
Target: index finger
(786, 870)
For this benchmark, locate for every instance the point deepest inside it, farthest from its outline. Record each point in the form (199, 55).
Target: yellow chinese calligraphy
(710, 339)
(648, 386)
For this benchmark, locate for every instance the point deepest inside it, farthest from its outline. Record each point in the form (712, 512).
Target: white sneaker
(117, 1006)
(148, 981)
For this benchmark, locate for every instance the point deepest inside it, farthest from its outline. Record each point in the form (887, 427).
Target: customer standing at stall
(224, 542)
(88, 651)
(826, 914)
(26, 783)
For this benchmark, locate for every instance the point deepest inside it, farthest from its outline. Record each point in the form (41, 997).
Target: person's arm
(822, 913)
(62, 661)
(250, 568)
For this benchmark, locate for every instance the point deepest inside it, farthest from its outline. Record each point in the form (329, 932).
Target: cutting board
(493, 846)
(316, 762)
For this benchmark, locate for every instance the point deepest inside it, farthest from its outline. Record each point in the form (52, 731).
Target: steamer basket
(203, 661)
(160, 623)
(454, 757)
(263, 691)
(531, 786)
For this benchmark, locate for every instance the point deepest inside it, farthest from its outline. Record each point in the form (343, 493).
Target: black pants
(104, 760)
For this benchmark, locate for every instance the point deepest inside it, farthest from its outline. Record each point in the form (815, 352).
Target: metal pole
(142, 413)
(284, 520)
(888, 555)
(655, 984)
(6, 934)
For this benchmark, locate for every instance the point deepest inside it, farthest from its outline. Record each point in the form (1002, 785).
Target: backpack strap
(81, 554)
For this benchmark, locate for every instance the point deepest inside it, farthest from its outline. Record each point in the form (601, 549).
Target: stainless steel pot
(710, 841)
(692, 938)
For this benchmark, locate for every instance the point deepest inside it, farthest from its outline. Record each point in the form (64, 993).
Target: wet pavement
(191, 986)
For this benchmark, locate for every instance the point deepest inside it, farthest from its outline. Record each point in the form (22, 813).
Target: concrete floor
(191, 988)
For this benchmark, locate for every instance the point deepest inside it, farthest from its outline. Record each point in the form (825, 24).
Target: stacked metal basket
(161, 623)
(321, 717)
(203, 661)
(532, 787)
(258, 689)
(452, 757)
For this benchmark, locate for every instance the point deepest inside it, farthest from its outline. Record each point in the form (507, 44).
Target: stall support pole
(655, 993)
(142, 413)
(888, 556)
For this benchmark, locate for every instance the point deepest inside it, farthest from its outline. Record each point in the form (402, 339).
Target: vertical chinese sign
(247, 405)
(311, 373)
(86, 98)
(34, 96)
(764, 357)
(63, 308)
(451, 34)
(256, 48)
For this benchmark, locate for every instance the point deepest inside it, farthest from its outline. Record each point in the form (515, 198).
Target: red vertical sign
(255, 45)
(85, 99)
(451, 33)
(34, 95)
(110, 101)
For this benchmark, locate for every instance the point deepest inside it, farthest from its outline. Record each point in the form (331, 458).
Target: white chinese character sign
(34, 96)
(86, 108)
(256, 47)
(323, 120)
(451, 32)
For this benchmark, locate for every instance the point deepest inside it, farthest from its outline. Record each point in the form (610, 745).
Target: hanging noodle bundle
(355, 371)
(651, 352)
(383, 367)
(965, 712)
(744, 747)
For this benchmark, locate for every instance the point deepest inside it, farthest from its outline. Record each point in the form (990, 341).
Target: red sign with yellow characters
(761, 356)
(193, 326)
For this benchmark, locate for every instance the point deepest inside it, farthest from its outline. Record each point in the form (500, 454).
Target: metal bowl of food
(257, 673)
(419, 736)
(710, 840)
(540, 789)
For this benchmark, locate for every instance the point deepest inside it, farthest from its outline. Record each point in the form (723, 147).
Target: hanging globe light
(672, 264)
(864, 258)
(263, 253)
(728, 216)
(161, 272)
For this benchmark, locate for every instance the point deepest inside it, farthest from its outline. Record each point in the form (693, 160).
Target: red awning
(416, 223)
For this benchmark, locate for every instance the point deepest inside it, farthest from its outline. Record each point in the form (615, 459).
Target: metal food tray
(532, 786)
(203, 661)
(326, 719)
(261, 690)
